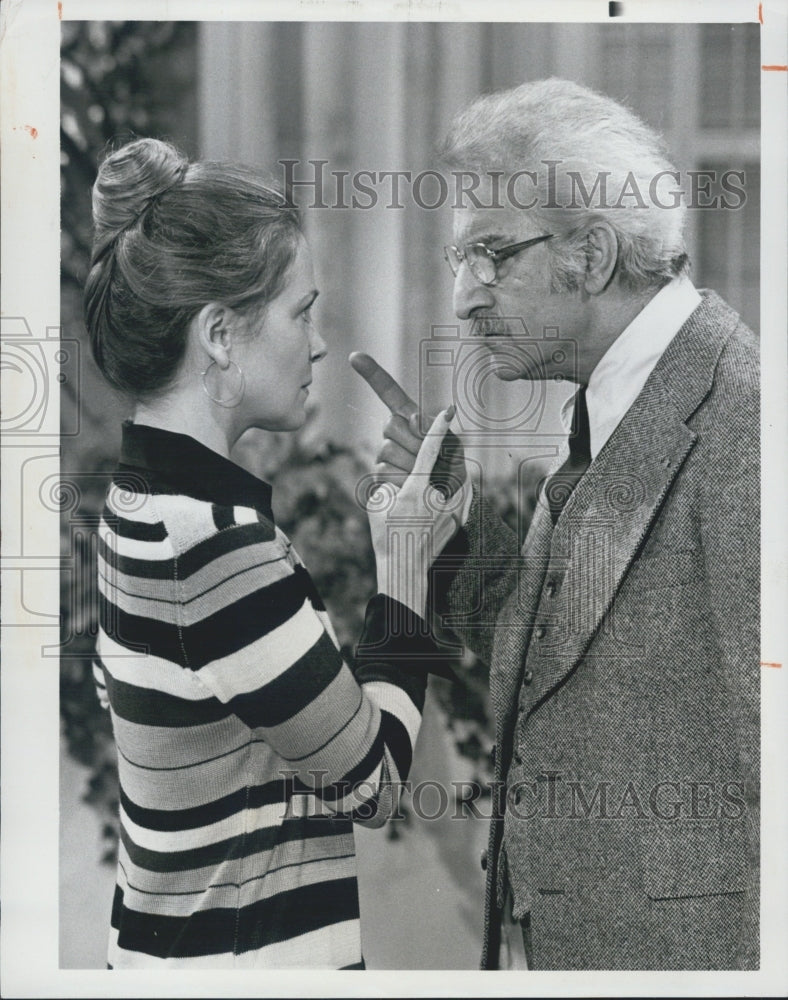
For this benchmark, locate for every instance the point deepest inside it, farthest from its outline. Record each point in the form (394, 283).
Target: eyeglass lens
(480, 263)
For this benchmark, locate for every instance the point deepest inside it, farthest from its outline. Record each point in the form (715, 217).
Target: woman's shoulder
(204, 556)
(194, 529)
(190, 521)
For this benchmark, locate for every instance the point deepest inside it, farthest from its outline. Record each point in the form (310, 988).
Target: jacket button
(528, 676)
(483, 860)
(550, 588)
(540, 631)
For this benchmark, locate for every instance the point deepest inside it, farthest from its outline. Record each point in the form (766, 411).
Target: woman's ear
(601, 257)
(214, 331)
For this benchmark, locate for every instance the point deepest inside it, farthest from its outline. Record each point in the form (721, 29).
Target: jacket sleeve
(270, 655)
(730, 532)
(473, 576)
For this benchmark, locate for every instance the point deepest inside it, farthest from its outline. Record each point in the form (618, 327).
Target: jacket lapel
(602, 528)
(610, 512)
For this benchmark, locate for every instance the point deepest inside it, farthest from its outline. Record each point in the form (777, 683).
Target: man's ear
(214, 329)
(601, 257)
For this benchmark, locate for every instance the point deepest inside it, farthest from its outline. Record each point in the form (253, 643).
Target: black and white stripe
(246, 746)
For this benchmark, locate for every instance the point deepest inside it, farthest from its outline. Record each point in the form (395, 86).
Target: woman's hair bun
(169, 238)
(128, 180)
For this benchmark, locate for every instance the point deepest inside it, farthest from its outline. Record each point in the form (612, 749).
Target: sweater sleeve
(261, 643)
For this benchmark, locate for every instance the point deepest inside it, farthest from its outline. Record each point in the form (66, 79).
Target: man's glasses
(482, 260)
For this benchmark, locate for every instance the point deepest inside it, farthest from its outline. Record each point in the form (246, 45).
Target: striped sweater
(246, 746)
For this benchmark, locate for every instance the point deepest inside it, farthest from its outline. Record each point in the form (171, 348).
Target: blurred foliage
(118, 79)
(125, 78)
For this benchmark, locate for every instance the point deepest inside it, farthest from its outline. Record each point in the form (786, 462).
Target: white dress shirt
(622, 372)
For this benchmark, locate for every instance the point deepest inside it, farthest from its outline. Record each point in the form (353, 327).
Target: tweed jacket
(623, 649)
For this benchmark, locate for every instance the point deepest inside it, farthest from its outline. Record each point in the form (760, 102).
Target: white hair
(583, 150)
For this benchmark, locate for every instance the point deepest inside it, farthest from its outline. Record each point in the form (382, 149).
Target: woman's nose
(317, 347)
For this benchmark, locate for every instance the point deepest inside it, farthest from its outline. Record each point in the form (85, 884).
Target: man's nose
(470, 293)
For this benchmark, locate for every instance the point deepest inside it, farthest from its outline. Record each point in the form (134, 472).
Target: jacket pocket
(666, 567)
(694, 858)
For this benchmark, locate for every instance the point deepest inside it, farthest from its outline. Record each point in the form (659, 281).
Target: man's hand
(397, 457)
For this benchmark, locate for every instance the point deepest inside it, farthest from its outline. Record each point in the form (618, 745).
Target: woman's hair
(589, 159)
(169, 237)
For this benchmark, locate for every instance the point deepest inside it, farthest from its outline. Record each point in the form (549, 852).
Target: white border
(29, 76)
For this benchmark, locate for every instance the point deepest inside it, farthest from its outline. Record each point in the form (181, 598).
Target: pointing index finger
(387, 389)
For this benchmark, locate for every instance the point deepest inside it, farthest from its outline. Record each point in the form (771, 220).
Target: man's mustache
(488, 325)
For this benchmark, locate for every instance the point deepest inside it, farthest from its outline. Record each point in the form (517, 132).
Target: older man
(622, 639)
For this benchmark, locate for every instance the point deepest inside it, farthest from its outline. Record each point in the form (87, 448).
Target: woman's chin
(286, 422)
(294, 421)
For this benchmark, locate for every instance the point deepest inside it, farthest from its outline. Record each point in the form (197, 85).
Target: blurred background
(375, 97)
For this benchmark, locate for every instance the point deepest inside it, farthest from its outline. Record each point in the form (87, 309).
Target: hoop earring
(210, 383)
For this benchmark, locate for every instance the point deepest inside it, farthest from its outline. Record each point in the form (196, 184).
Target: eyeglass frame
(502, 253)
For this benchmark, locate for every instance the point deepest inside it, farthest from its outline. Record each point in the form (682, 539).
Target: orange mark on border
(783, 69)
(32, 130)
(760, 12)
(777, 666)
(60, 11)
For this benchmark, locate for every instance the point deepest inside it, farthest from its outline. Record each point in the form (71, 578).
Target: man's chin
(506, 373)
(508, 369)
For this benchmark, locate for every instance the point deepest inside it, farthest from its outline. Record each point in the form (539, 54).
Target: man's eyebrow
(484, 238)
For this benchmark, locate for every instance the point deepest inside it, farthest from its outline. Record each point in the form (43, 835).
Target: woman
(246, 747)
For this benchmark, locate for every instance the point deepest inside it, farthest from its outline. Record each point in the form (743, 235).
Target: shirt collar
(178, 464)
(622, 371)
